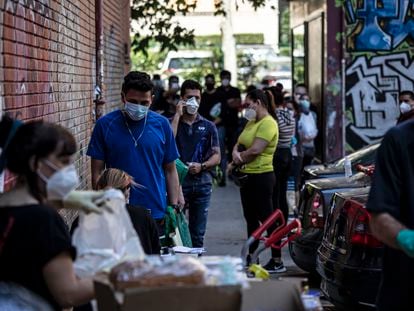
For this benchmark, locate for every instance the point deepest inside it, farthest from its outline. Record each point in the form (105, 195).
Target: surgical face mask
(250, 114)
(191, 106)
(305, 105)
(174, 86)
(405, 107)
(225, 82)
(61, 182)
(136, 111)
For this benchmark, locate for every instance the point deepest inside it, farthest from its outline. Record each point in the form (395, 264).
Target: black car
(364, 156)
(313, 208)
(349, 259)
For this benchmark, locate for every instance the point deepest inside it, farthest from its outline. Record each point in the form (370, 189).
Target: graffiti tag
(372, 92)
(380, 25)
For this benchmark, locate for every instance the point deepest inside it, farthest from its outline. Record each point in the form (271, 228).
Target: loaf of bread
(183, 271)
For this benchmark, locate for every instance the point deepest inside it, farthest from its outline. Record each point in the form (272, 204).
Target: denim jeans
(197, 197)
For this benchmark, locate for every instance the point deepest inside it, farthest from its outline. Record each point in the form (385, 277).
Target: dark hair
(266, 98)
(301, 85)
(137, 80)
(225, 73)
(190, 85)
(209, 76)
(250, 88)
(277, 95)
(36, 139)
(408, 93)
(173, 77)
(156, 76)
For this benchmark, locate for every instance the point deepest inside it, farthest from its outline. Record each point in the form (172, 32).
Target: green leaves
(155, 22)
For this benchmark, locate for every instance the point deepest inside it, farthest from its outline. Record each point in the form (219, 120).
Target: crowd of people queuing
(134, 149)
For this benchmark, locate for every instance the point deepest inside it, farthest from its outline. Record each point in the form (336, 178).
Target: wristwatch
(203, 167)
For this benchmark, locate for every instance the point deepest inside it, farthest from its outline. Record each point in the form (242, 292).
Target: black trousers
(256, 197)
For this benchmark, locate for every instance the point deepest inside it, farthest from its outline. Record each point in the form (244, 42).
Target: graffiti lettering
(380, 27)
(372, 95)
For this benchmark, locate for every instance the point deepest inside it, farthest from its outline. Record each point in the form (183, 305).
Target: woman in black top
(35, 246)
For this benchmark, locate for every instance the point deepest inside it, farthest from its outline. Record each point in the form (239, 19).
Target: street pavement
(226, 228)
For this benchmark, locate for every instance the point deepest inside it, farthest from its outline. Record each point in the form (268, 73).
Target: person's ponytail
(271, 107)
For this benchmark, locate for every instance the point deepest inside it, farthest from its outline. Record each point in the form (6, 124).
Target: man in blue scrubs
(140, 142)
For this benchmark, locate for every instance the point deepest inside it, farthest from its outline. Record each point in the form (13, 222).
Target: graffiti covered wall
(379, 46)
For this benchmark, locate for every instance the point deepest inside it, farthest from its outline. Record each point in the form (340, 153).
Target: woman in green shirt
(254, 152)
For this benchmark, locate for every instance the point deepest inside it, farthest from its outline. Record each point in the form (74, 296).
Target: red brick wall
(47, 63)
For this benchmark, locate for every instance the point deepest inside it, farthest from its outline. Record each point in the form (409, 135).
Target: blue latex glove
(405, 240)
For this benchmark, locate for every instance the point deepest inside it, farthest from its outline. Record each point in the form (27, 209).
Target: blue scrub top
(112, 143)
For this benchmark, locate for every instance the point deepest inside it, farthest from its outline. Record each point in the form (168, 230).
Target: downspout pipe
(99, 102)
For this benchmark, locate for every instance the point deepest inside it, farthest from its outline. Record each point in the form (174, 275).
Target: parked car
(349, 259)
(364, 156)
(185, 63)
(313, 208)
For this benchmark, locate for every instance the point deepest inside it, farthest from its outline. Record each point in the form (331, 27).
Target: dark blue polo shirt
(195, 143)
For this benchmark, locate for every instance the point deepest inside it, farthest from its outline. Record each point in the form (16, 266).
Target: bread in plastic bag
(156, 272)
(104, 240)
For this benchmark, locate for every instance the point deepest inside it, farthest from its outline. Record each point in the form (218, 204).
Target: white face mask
(191, 106)
(225, 82)
(62, 181)
(250, 114)
(135, 111)
(404, 107)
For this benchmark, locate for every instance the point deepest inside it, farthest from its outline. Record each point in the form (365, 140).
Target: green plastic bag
(182, 170)
(183, 230)
(176, 229)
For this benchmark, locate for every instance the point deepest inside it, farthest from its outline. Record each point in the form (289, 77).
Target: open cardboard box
(271, 295)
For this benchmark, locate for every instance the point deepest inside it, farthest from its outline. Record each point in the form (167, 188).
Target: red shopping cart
(279, 237)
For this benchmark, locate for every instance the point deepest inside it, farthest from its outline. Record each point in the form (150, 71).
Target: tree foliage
(155, 22)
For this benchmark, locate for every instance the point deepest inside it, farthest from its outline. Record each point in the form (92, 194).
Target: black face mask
(210, 86)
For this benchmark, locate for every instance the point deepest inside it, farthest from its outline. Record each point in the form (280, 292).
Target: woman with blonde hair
(142, 221)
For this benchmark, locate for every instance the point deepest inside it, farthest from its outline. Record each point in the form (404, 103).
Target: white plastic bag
(307, 126)
(103, 241)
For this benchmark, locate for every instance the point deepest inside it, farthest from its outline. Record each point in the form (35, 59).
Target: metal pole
(343, 65)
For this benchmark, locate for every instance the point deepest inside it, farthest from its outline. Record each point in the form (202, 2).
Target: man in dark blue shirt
(197, 142)
(140, 142)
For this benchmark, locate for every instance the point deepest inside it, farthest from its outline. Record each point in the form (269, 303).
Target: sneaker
(249, 261)
(274, 267)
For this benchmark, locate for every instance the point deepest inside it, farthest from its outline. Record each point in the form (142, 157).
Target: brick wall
(47, 64)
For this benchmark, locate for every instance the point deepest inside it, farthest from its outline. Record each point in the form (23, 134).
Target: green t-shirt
(266, 129)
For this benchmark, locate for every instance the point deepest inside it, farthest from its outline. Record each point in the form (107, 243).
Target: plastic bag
(176, 228)
(307, 126)
(14, 297)
(182, 170)
(102, 241)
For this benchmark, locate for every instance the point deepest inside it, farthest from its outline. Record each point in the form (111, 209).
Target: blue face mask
(136, 111)
(305, 104)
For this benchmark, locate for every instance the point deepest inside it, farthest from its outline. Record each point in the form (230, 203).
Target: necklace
(132, 135)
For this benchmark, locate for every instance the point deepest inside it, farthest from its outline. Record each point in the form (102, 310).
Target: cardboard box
(280, 295)
(178, 298)
(272, 295)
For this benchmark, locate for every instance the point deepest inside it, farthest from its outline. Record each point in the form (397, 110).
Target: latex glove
(87, 201)
(405, 240)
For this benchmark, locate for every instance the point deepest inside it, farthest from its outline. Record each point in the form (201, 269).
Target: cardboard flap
(272, 295)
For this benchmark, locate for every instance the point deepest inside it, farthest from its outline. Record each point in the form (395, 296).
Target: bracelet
(203, 166)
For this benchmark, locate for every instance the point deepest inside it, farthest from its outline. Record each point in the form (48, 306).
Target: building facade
(356, 56)
(57, 58)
